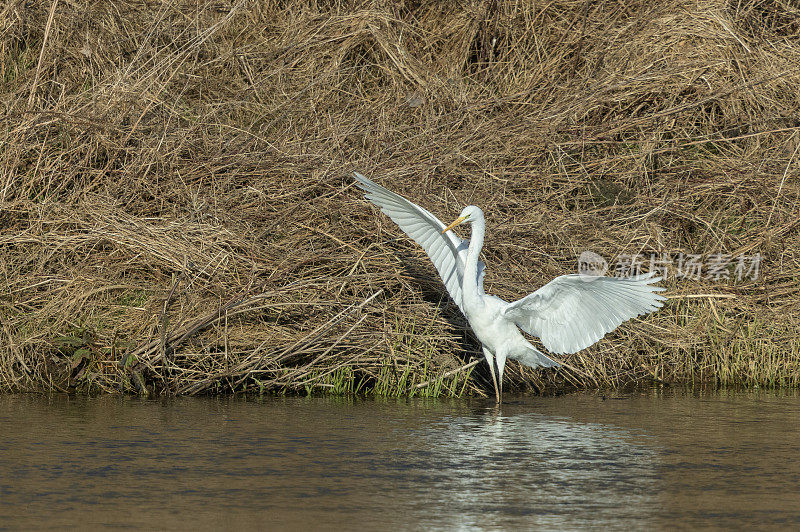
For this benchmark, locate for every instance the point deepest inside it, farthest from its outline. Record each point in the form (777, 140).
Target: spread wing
(447, 251)
(572, 312)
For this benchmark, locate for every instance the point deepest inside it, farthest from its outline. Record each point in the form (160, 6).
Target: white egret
(568, 314)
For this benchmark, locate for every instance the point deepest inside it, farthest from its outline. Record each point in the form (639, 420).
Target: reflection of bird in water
(568, 314)
(511, 468)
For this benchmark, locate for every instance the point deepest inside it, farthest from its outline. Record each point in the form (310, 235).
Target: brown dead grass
(177, 212)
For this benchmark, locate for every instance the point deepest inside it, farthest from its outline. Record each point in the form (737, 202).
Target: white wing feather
(447, 251)
(572, 312)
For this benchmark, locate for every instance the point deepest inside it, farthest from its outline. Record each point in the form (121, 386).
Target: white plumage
(572, 312)
(568, 314)
(447, 252)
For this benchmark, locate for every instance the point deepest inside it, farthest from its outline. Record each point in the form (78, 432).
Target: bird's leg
(490, 360)
(494, 381)
(500, 359)
(501, 390)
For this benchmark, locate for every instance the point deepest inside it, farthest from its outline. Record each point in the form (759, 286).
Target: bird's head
(470, 214)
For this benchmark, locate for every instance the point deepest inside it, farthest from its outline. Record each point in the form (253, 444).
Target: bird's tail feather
(534, 358)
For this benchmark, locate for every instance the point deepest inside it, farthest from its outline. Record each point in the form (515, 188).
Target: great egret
(568, 314)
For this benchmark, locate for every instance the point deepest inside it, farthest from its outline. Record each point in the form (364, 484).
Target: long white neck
(470, 285)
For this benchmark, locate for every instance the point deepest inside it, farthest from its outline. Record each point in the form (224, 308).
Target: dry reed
(177, 216)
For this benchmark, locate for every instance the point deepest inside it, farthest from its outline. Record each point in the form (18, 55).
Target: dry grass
(177, 213)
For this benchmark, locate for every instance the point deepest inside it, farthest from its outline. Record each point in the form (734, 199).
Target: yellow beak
(455, 223)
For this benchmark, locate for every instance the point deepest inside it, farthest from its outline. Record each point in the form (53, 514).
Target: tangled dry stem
(176, 211)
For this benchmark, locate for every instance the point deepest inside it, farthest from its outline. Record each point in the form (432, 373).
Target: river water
(644, 459)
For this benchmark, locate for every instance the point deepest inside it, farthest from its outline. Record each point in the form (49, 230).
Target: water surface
(645, 459)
